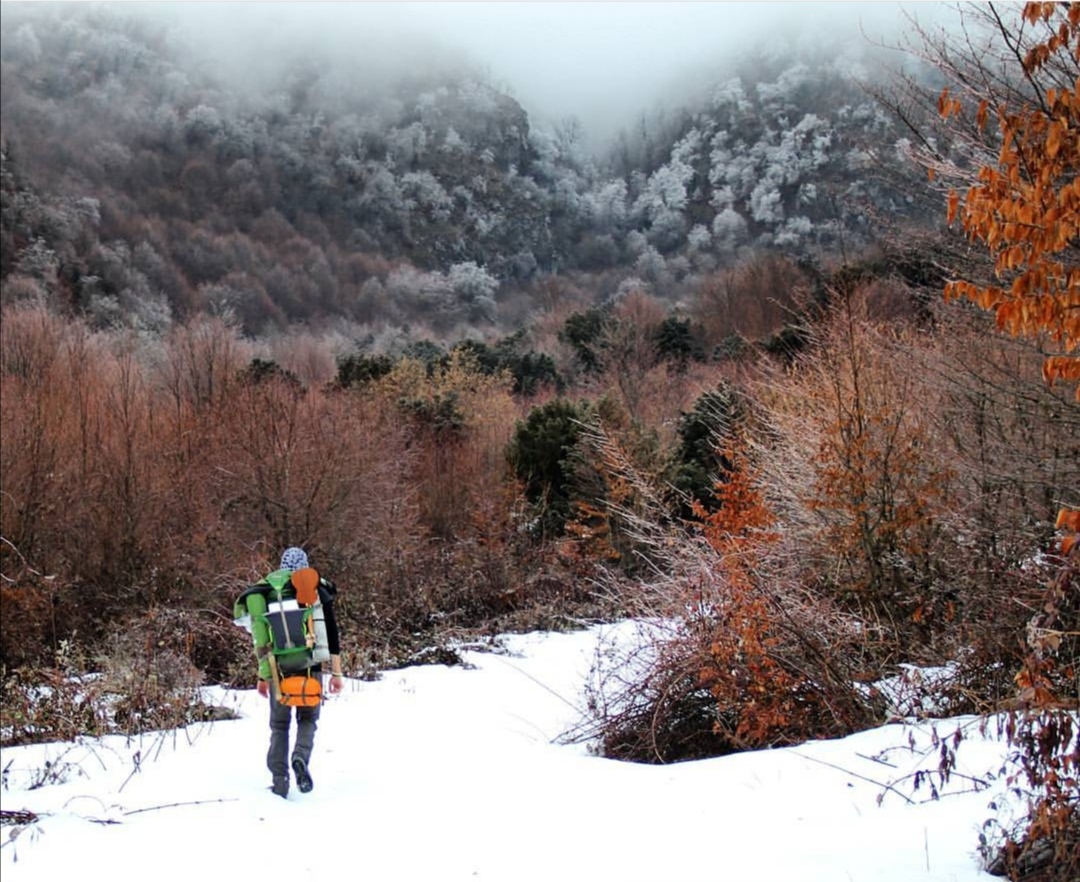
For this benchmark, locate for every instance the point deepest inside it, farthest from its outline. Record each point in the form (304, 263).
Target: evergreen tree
(538, 454)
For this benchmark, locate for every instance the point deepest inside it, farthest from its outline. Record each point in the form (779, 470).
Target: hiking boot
(280, 786)
(303, 776)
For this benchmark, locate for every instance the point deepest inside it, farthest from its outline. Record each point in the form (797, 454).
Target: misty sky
(603, 62)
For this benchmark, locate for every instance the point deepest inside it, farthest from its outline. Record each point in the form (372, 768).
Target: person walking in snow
(254, 603)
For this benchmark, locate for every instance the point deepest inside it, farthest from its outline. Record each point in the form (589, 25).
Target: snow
(437, 774)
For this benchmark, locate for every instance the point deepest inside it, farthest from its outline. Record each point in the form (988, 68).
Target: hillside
(142, 184)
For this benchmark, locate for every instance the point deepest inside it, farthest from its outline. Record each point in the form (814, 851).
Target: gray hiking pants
(307, 719)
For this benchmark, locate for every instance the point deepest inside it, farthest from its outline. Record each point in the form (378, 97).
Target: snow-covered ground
(436, 774)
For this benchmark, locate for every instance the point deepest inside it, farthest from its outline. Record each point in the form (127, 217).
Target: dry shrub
(617, 499)
(855, 469)
(645, 703)
(555, 301)
(31, 623)
(19, 287)
(752, 301)
(28, 631)
(305, 355)
(458, 421)
(44, 704)
(1013, 441)
(150, 679)
(995, 613)
(444, 590)
(1044, 731)
(888, 301)
(730, 663)
(146, 680)
(742, 651)
(180, 647)
(138, 477)
(628, 356)
(730, 668)
(1013, 446)
(32, 412)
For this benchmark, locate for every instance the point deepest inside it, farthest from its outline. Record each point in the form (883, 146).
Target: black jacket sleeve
(327, 593)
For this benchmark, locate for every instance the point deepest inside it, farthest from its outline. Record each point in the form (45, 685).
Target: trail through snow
(437, 774)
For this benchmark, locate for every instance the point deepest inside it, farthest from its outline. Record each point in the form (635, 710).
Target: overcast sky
(584, 57)
(602, 61)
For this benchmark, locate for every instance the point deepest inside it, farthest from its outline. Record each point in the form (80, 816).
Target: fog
(604, 63)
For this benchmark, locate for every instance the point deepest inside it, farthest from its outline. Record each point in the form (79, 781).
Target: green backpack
(286, 619)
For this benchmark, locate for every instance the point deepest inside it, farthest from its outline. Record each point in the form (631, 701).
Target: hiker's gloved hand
(264, 688)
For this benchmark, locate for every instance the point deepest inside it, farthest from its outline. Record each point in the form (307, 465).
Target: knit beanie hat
(293, 559)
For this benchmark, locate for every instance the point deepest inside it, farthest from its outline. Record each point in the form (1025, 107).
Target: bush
(737, 671)
(538, 455)
(144, 680)
(715, 417)
(1045, 734)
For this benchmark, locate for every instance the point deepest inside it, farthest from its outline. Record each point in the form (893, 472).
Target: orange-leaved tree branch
(1026, 210)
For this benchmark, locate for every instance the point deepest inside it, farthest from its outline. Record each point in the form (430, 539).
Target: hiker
(289, 669)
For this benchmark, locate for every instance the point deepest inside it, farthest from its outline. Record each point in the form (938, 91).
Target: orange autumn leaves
(1026, 210)
(758, 699)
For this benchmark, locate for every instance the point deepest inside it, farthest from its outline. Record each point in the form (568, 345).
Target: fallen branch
(154, 808)
(978, 784)
(880, 784)
(17, 816)
(541, 684)
(876, 759)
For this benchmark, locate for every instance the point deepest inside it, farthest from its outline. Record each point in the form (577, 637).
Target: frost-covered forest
(495, 376)
(158, 190)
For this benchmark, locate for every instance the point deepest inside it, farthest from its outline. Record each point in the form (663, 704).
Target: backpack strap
(275, 675)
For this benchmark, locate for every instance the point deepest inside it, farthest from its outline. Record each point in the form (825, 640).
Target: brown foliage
(742, 518)
(1026, 210)
(733, 665)
(751, 302)
(727, 666)
(759, 701)
(856, 472)
(28, 627)
(135, 477)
